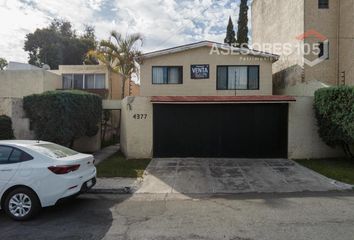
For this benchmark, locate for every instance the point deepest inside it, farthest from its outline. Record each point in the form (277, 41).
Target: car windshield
(54, 150)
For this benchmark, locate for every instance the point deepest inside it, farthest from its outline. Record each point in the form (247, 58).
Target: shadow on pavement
(81, 218)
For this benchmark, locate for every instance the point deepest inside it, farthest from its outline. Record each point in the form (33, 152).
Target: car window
(19, 156)
(54, 150)
(5, 153)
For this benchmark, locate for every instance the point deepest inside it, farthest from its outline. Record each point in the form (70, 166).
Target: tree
(334, 108)
(3, 63)
(242, 32)
(230, 34)
(58, 44)
(72, 114)
(119, 54)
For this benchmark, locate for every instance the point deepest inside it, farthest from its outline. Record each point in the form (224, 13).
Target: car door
(8, 168)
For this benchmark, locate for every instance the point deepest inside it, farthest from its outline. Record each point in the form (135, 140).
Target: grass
(118, 166)
(339, 169)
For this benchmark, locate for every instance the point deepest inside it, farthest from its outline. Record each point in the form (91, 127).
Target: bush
(63, 116)
(6, 131)
(334, 109)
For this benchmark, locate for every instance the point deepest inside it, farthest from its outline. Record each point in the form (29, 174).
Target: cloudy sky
(163, 23)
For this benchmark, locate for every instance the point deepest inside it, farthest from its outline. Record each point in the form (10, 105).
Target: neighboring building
(20, 80)
(196, 103)
(20, 83)
(95, 79)
(279, 21)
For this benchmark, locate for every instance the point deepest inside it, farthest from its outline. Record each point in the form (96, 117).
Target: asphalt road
(243, 217)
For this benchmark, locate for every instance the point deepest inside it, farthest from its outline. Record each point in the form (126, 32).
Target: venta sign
(200, 71)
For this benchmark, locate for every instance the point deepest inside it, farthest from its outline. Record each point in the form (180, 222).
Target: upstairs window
(167, 75)
(322, 48)
(84, 81)
(323, 4)
(237, 77)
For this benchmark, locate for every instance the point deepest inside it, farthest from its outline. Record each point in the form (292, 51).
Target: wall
(280, 22)
(204, 87)
(12, 107)
(136, 133)
(324, 21)
(346, 44)
(20, 83)
(304, 141)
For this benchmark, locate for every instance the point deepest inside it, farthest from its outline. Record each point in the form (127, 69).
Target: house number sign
(140, 116)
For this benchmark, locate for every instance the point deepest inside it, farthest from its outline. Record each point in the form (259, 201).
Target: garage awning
(221, 99)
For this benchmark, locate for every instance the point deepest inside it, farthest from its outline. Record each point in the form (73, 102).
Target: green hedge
(6, 131)
(334, 109)
(63, 116)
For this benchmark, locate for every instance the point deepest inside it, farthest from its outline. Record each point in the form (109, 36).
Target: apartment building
(306, 22)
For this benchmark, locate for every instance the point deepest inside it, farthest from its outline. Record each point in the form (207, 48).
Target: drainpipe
(338, 43)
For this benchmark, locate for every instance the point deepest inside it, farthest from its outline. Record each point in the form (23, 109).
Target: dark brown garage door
(221, 130)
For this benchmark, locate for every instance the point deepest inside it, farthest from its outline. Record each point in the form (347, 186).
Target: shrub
(6, 131)
(334, 109)
(63, 116)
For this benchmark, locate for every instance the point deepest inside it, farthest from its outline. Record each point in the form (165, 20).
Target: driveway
(224, 176)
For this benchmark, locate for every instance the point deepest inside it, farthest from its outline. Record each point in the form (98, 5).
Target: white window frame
(84, 80)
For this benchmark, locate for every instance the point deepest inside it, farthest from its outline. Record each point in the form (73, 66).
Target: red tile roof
(213, 99)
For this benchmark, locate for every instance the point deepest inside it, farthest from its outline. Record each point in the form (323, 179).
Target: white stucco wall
(12, 107)
(136, 133)
(304, 141)
(20, 83)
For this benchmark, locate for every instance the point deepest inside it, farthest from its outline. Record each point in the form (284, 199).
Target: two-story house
(301, 22)
(206, 100)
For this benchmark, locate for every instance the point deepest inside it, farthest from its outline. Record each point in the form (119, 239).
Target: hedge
(63, 116)
(334, 109)
(6, 131)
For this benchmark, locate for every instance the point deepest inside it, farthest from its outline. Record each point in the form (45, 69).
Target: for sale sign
(200, 71)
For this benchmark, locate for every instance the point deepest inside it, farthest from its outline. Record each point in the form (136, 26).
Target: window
(323, 4)
(84, 81)
(322, 47)
(100, 81)
(5, 153)
(78, 81)
(54, 150)
(89, 81)
(68, 80)
(19, 156)
(237, 77)
(167, 75)
(10, 155)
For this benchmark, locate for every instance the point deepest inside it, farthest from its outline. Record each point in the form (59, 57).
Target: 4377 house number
(140, 116)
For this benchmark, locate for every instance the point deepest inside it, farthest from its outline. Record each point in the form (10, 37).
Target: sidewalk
(113, 185)
(105, 153)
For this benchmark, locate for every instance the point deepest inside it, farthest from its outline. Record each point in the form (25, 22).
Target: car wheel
(22, 204)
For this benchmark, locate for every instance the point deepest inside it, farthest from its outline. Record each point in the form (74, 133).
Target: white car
(36, 174)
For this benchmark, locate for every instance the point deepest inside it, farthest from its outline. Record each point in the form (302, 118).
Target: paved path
(259, 217)
(105, 153)
(207, 176)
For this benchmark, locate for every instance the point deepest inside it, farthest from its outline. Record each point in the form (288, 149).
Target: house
(20, 80)
(210, 100)
(328, 23)
(96, 79)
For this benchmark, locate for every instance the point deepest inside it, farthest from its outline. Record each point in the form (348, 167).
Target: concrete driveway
(224, 176)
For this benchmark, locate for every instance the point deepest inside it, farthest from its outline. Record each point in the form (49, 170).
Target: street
(239, 217)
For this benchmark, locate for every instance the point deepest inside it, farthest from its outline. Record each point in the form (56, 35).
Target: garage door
(220, 130)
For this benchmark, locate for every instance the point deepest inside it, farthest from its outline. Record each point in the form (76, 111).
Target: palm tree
(119, 55)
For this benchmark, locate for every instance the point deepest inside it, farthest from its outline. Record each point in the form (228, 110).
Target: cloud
(163, 23)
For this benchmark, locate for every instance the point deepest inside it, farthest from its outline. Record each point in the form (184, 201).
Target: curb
(125, 190)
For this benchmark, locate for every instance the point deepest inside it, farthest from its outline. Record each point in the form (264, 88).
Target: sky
(163, 23)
